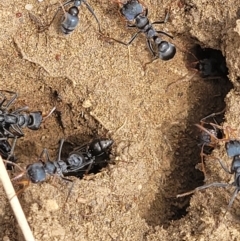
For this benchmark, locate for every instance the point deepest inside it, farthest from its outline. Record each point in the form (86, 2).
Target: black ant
(80, 161)
(12, 122)
(70, 20)
(233, 151)
(210, 135)
(210, 64)
(235, 169)
(136, 15)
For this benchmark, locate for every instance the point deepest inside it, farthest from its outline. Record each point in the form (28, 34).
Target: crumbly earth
(101, 88)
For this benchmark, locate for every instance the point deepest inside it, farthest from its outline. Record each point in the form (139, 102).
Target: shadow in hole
(205, 96)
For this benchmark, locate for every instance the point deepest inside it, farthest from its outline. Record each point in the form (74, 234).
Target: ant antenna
(45, 117)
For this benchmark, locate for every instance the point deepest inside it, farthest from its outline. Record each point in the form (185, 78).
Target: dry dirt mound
(100, 88)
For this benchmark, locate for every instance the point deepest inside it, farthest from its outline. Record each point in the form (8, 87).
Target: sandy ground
(100, 88)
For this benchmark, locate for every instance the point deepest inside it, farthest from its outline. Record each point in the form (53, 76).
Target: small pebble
(29, 7)
(6, 238)
(86, 104)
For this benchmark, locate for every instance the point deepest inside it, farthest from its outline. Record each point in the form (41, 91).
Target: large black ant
(210, 134)
(233, 150)
(70, 20)
(12, 122)
(80, 161)
(136, 15)
(235, 169)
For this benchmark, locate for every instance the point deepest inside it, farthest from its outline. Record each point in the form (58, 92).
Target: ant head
(100, 146)
(166, 50)
(36, 172)
(73, 11)
(205, 67)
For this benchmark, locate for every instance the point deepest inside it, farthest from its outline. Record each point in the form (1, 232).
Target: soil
(101, 89)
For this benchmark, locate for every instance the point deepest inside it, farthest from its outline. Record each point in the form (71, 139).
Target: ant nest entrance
(205, 95)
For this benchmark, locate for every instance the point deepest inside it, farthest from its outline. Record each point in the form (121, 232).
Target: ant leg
(15, 95)
(202, 161)
(12, 149)
(25, 184)
(82, 149)
(165, 20)
(12, 163)
(224, 166)
(183, 79)
(207, 131)
(4, 98)
(9, 134)
(17, 129)
(20, 109)
(19, 175)
(130, 41)
(214, 184)
(44, 152)
(90, 166)
(229, 130)
(213, 115)
(60, 150)
(92, 12)
(70, 189)
(150, 47)
(231, 200)
(162, 32)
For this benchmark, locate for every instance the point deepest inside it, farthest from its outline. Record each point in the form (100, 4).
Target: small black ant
(211, 63)
(208, 64)
(136, 15)
(71, 19)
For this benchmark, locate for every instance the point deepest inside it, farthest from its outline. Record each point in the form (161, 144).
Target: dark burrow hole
(205, 96)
